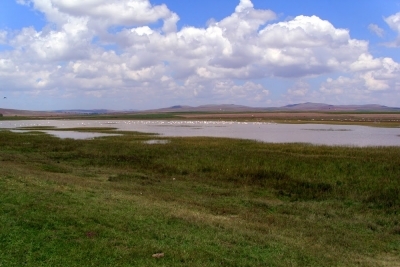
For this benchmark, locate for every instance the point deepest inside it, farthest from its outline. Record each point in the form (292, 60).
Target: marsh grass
(36, 128)
(116, 201)
(77, 129)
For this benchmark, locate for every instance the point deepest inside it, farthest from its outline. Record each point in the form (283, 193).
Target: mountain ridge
(307, 106)
(300, 107)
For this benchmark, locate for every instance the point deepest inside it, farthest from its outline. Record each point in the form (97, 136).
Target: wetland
(118, 199)
(319, 134)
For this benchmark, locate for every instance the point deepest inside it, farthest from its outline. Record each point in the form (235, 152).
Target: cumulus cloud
(308, 46)
(248, 92)
(72, 41)
(340, 85)
(376, 73)
(380, 75)
(365, 62)
(376, 29)
(394, 23)
(105, 12)
(133, 48)
(301, 88)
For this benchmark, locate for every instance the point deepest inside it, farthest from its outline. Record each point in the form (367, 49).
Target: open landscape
(140, 199)
(315, 113)
(199, 133)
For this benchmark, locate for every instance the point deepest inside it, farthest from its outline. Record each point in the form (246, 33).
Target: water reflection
(78, 135)
(67, 134)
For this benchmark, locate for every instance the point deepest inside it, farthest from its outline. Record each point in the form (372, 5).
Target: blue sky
(141, 54)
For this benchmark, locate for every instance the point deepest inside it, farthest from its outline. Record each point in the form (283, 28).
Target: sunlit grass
(115, 201)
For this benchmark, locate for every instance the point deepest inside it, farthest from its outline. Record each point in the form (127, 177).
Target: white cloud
(3, 37)
(384, 75)
(370, 80)
(376, 29)
(249, 91)
(244, 5)
(340, 86)
(23, 2)
(106, 48)
(72, 41)
(348, 90)
(6, 65)
(394, 23)
(308, 46)
(301, 89)
(365, 62)
(106, 12)
(383, 78)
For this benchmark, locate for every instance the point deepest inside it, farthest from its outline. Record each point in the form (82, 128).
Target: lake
(319, 134)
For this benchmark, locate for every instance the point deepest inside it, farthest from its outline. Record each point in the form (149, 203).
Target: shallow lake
(344, 135)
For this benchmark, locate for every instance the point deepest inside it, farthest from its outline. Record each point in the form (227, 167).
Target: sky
(146, 54)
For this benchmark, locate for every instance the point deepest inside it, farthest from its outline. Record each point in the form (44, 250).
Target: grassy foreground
(116, 201)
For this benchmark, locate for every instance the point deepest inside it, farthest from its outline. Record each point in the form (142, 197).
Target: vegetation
(116, 201)
(364, 118)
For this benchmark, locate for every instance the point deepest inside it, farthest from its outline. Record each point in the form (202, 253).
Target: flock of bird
(72, 124)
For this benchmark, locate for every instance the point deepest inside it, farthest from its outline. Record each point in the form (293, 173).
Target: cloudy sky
(143, 54)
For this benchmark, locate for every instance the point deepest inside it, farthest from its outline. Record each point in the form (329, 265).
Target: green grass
(115, 201)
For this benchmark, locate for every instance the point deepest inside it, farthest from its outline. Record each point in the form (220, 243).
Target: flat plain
(116, 201)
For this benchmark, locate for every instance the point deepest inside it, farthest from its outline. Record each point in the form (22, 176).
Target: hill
(294, 107)
(213, 108)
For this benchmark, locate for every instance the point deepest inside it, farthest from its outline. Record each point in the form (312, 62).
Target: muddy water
(348, 135)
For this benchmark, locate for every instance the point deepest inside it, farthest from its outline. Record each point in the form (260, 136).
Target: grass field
(116, 201)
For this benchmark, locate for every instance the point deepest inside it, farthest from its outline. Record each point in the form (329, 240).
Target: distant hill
(208, 108)
(325, 107)
(295, 107)
(223, 108)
